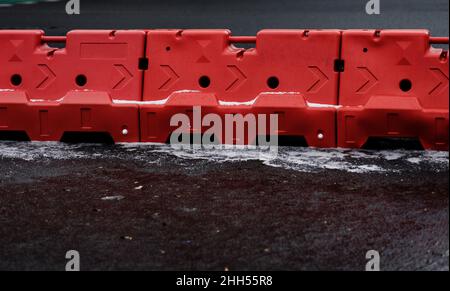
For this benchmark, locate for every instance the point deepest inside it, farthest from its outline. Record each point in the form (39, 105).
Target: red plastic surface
(200, 66)
(302, 61)
(108, 59)
(78, 111)
(46, 91)
(295, 117)
(394, 85)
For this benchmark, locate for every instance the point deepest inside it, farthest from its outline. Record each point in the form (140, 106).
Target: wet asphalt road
(214, 213)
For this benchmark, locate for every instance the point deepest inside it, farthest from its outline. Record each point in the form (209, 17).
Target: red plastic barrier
(295, 117)
(46, 91)
(282, 61)
(394, 85)
(298, 62)
(391, 83)
(78, 111)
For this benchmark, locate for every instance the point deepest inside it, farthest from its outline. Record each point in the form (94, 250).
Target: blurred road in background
(241, 17)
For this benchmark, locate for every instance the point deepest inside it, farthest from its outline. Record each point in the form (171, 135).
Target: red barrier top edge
(243, 39)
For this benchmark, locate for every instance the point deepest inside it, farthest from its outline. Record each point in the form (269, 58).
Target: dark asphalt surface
(212, 210)
(312, 211)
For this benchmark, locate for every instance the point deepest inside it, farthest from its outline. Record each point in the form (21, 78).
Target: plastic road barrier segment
(208, 61)
(282, 64)
(46, 91)
(394, 85)
(334, 88)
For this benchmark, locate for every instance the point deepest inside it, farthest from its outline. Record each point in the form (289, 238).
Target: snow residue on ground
(30, 151)
(298, 159)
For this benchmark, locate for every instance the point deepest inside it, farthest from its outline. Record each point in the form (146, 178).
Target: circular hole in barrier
(273, 82)
(204, 81)
(81, 80)
(16, 80)
(405, 85)
(168, 48)
(365, 50)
